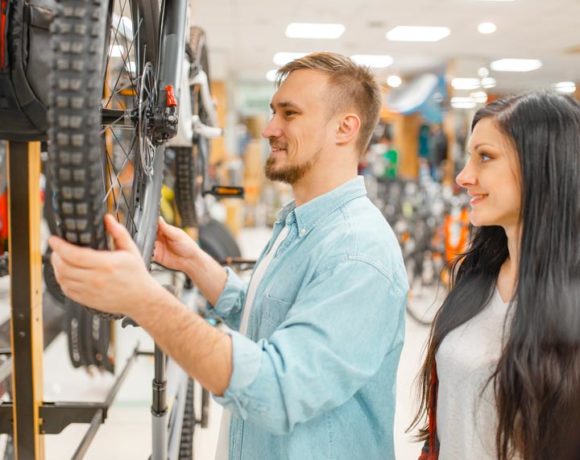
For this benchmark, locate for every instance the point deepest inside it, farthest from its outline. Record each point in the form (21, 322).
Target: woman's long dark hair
(537, 379)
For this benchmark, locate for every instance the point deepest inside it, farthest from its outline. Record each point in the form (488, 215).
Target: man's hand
(111, 281)
(174, 248)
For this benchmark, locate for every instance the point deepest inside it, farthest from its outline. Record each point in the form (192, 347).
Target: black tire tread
(74, 114)
(185, 187)
(188, 425)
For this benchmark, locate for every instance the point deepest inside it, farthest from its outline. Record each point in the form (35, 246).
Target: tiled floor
(126, 434)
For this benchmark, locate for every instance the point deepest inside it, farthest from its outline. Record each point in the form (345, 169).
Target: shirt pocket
(275, 310)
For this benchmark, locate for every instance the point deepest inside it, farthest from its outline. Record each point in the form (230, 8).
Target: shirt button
(303, 232)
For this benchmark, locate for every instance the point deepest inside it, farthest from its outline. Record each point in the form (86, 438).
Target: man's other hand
(174, 248)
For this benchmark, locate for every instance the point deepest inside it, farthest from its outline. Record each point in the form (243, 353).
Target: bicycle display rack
(27, 417)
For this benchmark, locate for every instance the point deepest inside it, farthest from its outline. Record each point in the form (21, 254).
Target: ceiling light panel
(314, 30)
(486, 28)
(516, 65)
(417, 34)
(376, 61)
(465, 83)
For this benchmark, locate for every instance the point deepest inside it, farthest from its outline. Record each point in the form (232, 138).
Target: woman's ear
(348, 128)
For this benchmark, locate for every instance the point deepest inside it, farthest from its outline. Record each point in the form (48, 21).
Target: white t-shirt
(466, 408)
(222, 452)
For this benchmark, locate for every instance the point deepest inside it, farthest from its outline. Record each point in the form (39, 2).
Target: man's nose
(272, 129)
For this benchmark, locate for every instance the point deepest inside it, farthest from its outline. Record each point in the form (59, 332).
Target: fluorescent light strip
(566, 87)
(314, 30)
(283, 58)
(465, 83)
(376, 61)
(479, 96)
(516, 65)
(417, 34)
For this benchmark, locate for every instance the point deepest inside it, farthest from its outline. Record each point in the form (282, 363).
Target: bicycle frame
(174, 16)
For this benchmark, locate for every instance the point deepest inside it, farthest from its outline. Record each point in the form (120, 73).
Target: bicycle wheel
(103, 92)
(218, 241)
(190, 162)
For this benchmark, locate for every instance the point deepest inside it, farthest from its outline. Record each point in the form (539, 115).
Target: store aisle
(126, 435)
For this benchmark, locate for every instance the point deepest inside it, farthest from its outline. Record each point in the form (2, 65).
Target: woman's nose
(466, 176)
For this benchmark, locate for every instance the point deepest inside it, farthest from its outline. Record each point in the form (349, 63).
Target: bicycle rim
(103, 88)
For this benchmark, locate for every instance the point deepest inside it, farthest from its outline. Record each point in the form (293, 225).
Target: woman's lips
(475, 199)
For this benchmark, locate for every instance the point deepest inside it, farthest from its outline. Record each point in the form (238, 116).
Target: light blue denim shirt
(315, 376)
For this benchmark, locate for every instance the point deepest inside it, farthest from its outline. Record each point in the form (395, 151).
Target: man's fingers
(75, 255)
(120, 235)
(168, 231)
(65, 273)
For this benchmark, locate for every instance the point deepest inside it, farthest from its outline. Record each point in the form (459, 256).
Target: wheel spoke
(114, 176)
(126, 67)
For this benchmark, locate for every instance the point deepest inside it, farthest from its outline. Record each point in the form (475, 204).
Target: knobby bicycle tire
(189, 167)
(218, 241)
(187, 185)
(98, 164)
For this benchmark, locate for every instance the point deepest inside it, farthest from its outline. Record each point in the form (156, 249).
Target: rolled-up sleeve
(334, 339)
(231, 301)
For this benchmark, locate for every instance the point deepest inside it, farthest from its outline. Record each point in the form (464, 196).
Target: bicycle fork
(159, 407)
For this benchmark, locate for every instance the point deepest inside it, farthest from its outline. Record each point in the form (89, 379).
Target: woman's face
(491, 177)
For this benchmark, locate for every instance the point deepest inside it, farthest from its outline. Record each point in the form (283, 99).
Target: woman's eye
(484, 157)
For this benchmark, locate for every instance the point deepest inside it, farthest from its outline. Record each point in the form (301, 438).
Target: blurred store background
(437, 61)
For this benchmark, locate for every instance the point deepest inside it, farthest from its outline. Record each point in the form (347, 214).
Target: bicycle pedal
(225, 191)
(128, 322)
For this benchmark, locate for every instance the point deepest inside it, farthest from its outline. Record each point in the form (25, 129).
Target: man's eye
(289, 113)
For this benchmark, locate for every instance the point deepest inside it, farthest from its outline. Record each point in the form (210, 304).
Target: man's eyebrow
(284, 105)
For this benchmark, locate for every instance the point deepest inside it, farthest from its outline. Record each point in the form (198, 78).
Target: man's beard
(288, 174)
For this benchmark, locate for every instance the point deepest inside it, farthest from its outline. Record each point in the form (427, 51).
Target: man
(311, 374)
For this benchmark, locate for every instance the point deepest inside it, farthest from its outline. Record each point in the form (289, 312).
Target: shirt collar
(307, 215)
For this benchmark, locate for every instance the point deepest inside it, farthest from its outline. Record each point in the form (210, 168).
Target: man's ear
(347, 128)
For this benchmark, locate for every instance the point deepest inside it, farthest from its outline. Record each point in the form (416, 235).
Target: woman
(501, 377)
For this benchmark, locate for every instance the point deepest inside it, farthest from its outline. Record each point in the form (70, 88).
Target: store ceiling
(244, 35)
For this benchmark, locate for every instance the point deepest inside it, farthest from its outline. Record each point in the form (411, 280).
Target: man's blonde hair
(354, 88)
